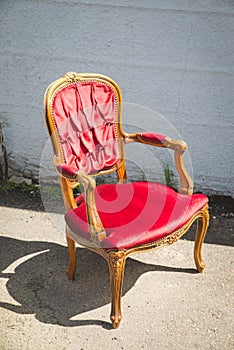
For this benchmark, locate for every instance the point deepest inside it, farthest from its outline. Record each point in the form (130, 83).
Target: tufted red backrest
(84, 113)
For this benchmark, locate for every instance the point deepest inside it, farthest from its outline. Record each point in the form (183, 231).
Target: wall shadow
(40, 285)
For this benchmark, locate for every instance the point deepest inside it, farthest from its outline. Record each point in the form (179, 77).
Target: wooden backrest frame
(71, 78)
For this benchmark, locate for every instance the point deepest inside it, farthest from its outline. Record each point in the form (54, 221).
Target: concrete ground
(166, 304)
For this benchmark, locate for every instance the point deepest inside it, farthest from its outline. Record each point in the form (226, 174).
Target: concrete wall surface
(175, 57)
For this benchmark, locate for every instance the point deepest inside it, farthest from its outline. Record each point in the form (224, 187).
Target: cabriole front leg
(116, 263)
(202, 226)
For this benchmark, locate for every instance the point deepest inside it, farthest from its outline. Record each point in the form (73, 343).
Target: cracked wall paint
(3, 158)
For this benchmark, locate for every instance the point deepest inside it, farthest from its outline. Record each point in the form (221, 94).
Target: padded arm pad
(67, 171)
(150, 137)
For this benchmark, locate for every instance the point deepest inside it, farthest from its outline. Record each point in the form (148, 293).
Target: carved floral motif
(72, 76)
(116, 260)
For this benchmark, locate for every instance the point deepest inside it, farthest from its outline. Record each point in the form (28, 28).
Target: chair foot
(72, 255)
(115, 324)
(202, 225)
(116, 263)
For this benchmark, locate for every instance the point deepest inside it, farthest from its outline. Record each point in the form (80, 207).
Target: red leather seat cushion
(136, 213)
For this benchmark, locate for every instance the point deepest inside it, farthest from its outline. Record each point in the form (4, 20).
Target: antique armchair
(83, 116)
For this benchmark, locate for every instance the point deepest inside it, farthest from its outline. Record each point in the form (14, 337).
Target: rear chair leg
(116, 263)
(202, 225)
(122, 174)
(72, 255)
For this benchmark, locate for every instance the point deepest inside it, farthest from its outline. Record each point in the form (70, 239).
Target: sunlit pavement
(165, 304)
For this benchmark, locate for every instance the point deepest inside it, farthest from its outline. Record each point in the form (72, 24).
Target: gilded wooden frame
(116, 259)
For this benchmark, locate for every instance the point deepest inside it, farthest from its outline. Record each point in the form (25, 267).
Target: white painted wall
(173, 56)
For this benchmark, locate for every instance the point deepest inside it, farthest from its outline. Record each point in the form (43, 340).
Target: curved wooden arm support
(158, 140)
(96, 228)
(186, 183)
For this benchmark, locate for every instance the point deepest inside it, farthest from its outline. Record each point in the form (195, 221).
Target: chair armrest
(96, 228)
(67, 171)
(147, 138)
(159, 140)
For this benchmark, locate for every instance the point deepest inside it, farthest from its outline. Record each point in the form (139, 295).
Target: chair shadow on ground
(40, 285)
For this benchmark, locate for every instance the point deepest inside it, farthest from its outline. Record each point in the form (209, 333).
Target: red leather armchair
(83, 116)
